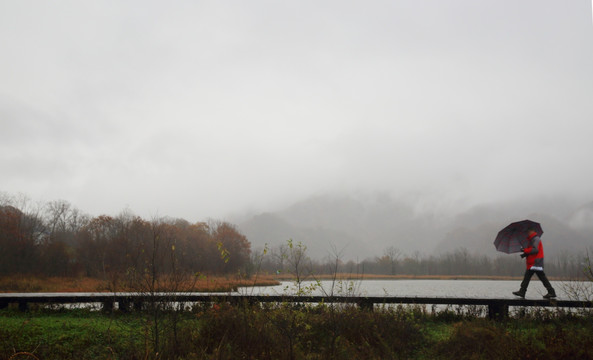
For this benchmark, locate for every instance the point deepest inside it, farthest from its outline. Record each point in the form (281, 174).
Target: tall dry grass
(85, 284)
(215, 283)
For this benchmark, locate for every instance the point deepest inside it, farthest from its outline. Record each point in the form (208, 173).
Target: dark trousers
(541, 275)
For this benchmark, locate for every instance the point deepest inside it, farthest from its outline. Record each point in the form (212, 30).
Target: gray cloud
(198, 109)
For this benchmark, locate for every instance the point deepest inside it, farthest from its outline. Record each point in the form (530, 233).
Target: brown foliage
(64, 242)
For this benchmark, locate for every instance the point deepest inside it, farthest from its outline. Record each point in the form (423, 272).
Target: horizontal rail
(496, 307)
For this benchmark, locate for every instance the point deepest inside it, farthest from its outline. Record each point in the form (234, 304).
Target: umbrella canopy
(514, 237)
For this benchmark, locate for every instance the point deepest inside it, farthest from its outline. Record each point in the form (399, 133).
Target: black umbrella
(514, 237)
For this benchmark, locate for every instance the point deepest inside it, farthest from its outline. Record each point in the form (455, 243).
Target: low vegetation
(289, 331)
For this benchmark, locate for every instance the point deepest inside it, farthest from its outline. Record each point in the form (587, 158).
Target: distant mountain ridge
(361, 227)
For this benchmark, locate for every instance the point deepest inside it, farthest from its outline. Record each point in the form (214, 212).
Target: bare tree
(393, 254)
(297, 259)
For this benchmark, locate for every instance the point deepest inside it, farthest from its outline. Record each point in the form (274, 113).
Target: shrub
(479, 339)
(286, 331)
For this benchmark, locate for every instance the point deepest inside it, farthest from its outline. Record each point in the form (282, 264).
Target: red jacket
(535, 253)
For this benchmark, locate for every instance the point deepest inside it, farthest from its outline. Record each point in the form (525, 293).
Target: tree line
(292, 258)
(57, 239)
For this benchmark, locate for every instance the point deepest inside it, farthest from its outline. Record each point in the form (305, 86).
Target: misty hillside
(363, 227)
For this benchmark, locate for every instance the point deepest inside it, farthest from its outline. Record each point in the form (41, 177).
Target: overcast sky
(198, 109)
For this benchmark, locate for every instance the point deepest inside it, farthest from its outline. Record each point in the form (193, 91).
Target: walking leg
(524, 284)
(544, 279)
(526, 280)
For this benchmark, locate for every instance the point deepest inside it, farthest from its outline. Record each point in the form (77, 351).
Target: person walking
(534, 255)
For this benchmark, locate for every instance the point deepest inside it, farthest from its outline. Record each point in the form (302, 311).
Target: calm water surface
(429, 288)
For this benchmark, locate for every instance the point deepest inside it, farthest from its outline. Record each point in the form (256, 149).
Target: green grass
(68, 335)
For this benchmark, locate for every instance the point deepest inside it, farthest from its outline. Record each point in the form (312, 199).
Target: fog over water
(434, 110)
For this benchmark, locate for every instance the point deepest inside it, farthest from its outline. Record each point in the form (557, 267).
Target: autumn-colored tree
(93, 241)
(57, 239)
(55, 258)
(194, 241)
(138, 233)
(19, 235)
(10, 237)
(234, 248)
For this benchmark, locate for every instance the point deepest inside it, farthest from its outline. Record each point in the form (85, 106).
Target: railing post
(123, 305)
(366, 304)
(498, 310)
(108, 305)
(23, 306)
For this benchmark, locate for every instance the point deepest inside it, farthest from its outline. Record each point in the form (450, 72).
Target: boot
(520, 293)
(550, 294)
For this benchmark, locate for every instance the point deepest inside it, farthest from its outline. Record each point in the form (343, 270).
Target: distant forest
(461, 262)
(57, 239)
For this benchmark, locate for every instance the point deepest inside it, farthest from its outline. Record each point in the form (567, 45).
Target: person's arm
(534, 248)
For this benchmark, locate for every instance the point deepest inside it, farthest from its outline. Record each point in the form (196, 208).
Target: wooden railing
(497, 308)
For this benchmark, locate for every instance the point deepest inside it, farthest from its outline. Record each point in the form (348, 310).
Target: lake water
(420, 288)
